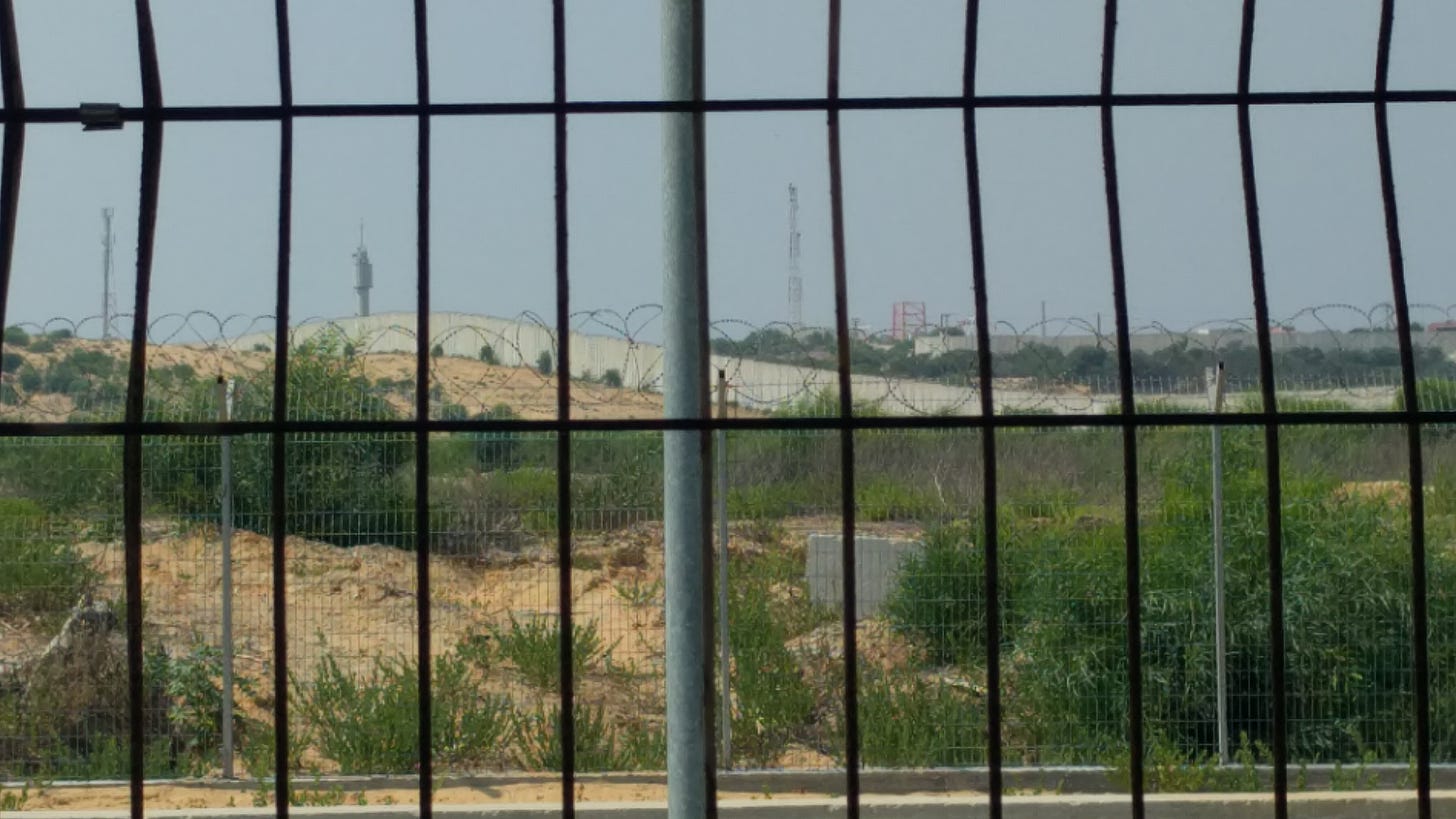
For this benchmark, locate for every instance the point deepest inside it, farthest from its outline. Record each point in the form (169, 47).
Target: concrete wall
(757, 385)
(877, 563)
(934, 344)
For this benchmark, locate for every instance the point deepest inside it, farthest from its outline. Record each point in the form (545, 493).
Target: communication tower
(796, 279)
(363, 274)
(108, 299)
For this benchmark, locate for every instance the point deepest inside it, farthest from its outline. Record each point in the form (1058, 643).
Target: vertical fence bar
(1130, 509)
(1420, 626)
(151, 173)
(225, 534)
(846, 428)
(566, 728)
(12, 91)
(1220, 618)
(422, 413)
(725, 656)
(989, 496)
(278, 506)
(1275, 497)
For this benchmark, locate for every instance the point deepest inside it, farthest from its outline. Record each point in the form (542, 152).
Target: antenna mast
(796, 280)
(363, 274)
(108, 300)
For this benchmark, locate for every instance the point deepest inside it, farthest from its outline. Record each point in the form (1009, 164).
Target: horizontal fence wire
(995, 535)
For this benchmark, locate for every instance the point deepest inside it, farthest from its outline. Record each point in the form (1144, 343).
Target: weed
(534, 646)
(637, 593)
(775, 702)
(914, 723)
(317, 797)
(599, 747)
(16, 800)
(1358, 778)
(368, 724)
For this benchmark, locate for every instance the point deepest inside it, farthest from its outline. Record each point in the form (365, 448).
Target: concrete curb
(1339, 805)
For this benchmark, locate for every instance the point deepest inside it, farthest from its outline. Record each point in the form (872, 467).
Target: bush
(30, 378)
(64, 475)
(39, 574)
(599, 746)
(612, 378)
(10, 362)
(343, 488)
(938, 596)
(487, 354)
(369, 724)
(775, 703)
(535, 649)
(907, 722)
(42, 344)
(16, 337)
(543, 362)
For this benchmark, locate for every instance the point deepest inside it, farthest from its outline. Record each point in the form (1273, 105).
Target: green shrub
(612, 378)
(599, 746)
(16, 337)
(487, 354)
(10, 362)
(775, 703)
(192, 683)
(938, 596)
(535, 648)
(30, 378)
(343, 488)
(42, 344)
(369, 723)
(543, 362)
(908, 722)
(39, 573)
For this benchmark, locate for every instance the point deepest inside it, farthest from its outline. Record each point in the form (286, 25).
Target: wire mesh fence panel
(429, 541)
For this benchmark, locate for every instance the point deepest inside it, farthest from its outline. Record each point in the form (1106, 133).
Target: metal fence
(421, 592)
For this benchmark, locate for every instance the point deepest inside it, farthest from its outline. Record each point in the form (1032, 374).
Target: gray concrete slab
(876, 563)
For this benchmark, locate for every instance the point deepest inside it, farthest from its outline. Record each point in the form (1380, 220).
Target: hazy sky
(905, 203)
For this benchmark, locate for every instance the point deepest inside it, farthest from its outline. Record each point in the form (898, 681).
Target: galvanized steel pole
(1220, 618)
(725, 657)
(225, 529)
(685, 387)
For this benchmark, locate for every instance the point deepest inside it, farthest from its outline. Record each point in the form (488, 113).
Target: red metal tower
(907, 320)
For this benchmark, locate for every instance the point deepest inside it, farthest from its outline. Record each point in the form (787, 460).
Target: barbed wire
(479, 363)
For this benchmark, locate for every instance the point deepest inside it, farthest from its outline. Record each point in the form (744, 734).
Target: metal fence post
(1215, 377)
(724, 655)
(225, 527)
(686, 527)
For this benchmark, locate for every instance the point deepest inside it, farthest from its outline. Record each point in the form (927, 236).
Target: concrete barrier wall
(757, 385)
(877, 563)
